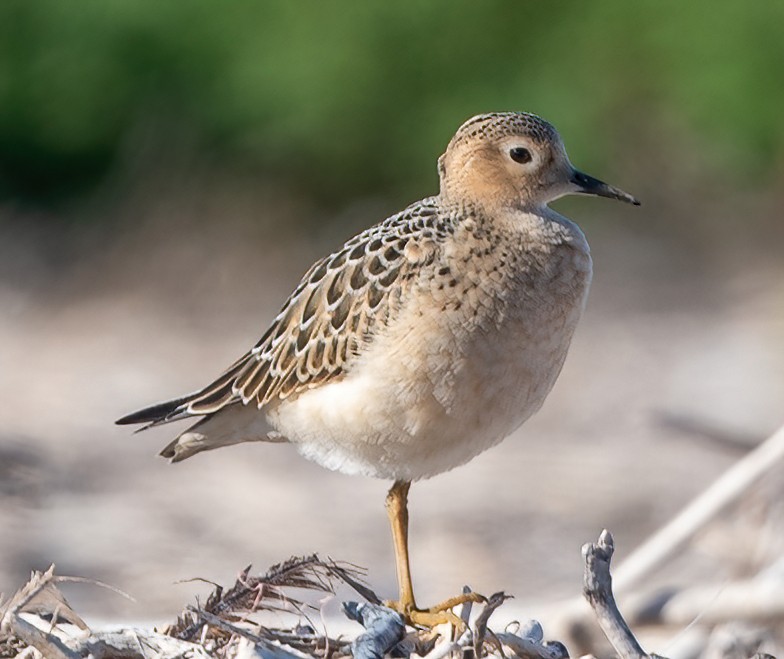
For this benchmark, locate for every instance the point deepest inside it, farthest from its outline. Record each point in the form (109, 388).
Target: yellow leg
(397, 510)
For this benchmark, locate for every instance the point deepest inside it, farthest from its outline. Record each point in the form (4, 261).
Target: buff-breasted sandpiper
(424, 340)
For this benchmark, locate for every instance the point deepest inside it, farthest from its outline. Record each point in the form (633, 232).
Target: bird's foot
(435, 615)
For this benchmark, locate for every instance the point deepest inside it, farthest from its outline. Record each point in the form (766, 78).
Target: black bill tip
(593, 186)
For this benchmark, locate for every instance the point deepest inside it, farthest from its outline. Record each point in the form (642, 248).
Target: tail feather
(232, 425)
(156, 414)
(206, 401)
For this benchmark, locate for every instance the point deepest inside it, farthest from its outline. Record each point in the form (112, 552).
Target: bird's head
(513, 160)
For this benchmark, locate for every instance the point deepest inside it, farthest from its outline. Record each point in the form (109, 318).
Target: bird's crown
(496, 125)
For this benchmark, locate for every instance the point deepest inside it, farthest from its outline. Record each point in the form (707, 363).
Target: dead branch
(136, 644)
(754, 600)
(493, 602)
(597, 588)
(724, 492)
(708, 432)
(256, 645)
(34, 597)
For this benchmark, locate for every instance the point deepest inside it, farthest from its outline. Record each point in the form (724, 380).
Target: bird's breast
(474, 350)
(504, 337)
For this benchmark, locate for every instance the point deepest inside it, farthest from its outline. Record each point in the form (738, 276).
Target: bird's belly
(427, 398)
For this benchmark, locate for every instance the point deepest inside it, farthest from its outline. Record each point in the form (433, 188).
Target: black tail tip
(132, 419)
(154, 414)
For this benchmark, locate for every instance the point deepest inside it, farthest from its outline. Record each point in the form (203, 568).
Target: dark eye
(521, 155)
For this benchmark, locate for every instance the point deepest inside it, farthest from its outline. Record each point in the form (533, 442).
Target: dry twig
(597, 588)
(271, 591)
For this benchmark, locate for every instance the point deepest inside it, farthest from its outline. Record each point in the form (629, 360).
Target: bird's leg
(397, 510)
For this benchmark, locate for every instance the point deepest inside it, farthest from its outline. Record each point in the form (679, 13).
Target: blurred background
(169, 170)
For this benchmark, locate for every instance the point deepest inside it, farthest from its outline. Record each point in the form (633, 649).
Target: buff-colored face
(515, 161)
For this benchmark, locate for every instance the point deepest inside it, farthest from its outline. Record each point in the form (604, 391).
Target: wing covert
(330, 317)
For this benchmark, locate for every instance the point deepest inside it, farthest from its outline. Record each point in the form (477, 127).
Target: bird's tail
(156, 415)
(202, 403)
(227, 425)
(234, 424)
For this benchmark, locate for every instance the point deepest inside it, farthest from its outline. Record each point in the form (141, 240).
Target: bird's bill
(593, 186)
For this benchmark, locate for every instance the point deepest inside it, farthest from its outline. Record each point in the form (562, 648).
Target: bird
(425, 339)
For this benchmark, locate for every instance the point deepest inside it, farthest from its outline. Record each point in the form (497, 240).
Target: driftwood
(756, 600)
(20, 618)
(597, 588)
(729, 640)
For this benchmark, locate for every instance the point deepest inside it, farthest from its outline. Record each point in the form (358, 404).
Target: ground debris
(37, 622)
(273, 591)
(249, 620)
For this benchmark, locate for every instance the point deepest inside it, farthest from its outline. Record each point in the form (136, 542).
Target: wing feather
(331, 317)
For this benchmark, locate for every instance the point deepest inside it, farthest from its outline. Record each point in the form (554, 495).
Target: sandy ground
(147, 313)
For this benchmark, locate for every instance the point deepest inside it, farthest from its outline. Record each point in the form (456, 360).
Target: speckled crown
(499, 124)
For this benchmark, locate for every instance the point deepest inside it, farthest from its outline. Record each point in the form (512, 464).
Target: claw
(435, 615)
(452, 602)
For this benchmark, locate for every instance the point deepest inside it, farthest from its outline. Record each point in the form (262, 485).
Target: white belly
(437, 389)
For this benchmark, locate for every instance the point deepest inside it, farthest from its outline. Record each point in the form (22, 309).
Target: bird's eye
(520, 154)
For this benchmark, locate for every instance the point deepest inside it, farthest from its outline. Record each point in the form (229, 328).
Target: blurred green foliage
(342, 98)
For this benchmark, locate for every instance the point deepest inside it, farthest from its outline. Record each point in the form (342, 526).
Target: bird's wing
(327, 321)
